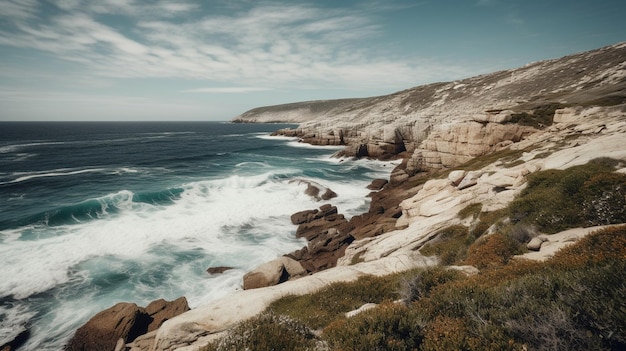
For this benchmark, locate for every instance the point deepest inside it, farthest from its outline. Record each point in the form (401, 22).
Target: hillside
(502, 175)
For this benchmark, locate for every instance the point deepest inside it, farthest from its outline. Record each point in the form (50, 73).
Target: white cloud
(275, 46)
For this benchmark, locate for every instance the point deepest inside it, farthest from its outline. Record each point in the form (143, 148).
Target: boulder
(455, 177)
(101, 333)
(122, 323)
(536, 242)
(272, 273)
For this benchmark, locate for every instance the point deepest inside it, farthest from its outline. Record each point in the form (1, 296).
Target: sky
(156, 60)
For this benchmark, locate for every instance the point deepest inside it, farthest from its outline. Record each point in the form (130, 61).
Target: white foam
(310, 146)
(275, 137)
(61, 172)
(13, 322)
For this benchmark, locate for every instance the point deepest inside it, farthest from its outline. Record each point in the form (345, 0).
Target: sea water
(92, 214)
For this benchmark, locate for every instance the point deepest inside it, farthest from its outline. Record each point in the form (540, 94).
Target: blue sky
(214, 59)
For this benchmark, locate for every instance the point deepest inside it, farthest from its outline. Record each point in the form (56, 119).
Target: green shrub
(472, 210)
(420, 285)
(492, 251)
(450, 245)
(318, 309)
(585, 195)
(390, 326)
(267, 332)
(540, 118)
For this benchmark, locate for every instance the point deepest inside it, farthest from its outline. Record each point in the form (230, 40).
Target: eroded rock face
(125, 321)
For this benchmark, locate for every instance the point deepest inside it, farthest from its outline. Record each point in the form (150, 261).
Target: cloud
(269, 44)
(226, 90)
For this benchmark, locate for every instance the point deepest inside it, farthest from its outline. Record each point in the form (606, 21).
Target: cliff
(445, 124)
(464, 144)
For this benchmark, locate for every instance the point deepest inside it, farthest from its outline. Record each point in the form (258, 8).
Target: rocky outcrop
(327, 233)
(112, 328)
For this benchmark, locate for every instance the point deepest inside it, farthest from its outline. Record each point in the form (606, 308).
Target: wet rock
(19, 340)
(377, 184)
(218, 269)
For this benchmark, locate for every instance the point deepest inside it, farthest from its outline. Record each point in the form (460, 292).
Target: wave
(101, 207)
(310, 146)
(17, 147)
(13, 320)
(265, 136)
(61, 172)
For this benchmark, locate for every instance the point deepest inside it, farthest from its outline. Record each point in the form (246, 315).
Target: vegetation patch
(318, 309)
(587, 195)
(540, 118)
(504, 155)
(472, 210)
(450, 245)
(266, 332)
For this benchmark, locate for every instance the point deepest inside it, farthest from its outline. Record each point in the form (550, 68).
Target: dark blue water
(96, 213)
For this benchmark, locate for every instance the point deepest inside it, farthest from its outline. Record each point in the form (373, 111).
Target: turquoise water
(97, 213)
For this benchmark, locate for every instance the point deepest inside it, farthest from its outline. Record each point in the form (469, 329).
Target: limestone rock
(367, 306)
(455, 177)
(470, 179)
(272, 273)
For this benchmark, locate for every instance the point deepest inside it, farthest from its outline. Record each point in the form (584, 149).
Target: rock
(316, 190)
(218, 269)
(470, 179)
(272, 273)
(102, 332)
(303, 216)
(19, 340)
(124, 321)
(367, 306)
(455, 177)
(535, 243)
(377, 184)
(161, 310)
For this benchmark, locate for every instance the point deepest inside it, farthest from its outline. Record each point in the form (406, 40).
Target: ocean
(92, 214)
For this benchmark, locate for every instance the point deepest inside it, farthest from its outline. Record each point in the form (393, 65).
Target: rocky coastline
(460, 143)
